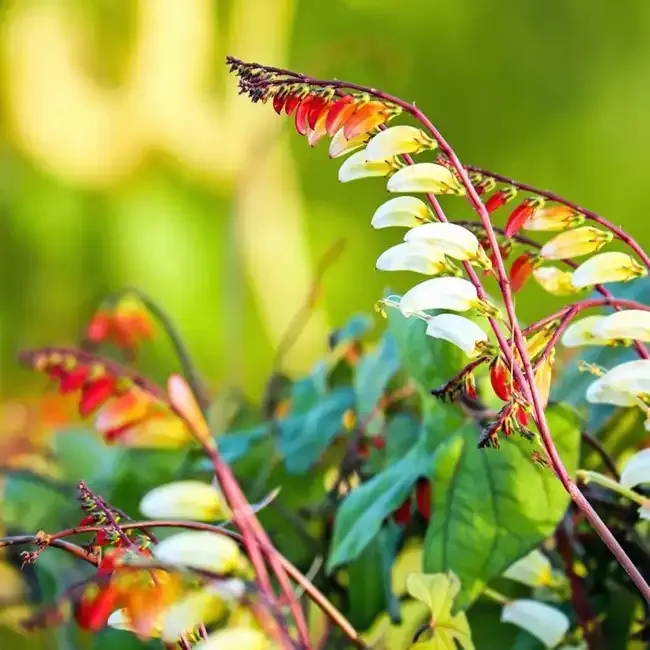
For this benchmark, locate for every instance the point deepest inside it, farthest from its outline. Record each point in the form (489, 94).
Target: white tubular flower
(397, 140)
(636, 470)
(419, 257)
(575, 243)
(626, 324)
(455, 294)
(533, 570)
(582, 332)
(201, 550)
(241, 638)
(185, 500)
(555, 281)
(460, 331)
(202, 605)
(406, 211)
(340, 145)
(425, 177)
(544, 622)
(599, 392)
(451, 239)
(356, 166)
(632, 377)
(607, 267)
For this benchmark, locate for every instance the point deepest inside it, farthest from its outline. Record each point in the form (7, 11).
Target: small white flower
(631, 377)
(241, 638)
(340, 145)
(460, 331)
(455, 294)
(451, 239)
(574, 243)
(397, 140)
(185, 500)
(607, 267)
(636, 470)
(533, 570)
(419, 257)
(404, 211)
(544, 622)
(425, 177)
(626, 324)
(582, 332)
(356, 166)
(201, 550)
(555, 281)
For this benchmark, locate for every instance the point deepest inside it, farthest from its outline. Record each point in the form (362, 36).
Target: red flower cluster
(126, 323)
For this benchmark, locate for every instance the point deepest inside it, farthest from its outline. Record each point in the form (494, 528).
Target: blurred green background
(126, 156)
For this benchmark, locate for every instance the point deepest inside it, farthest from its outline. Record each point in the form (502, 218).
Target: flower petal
(574, 243)
(365, 118)
(201, 550)
(425, 177)
(456, 294)
(356, 166)
(599, 392)
(554, 217)
(546, 623)
(451, 239)
(636, 470)
(340, 145)
(418, 257)
(185, 500)
(460, 331)
(632, 377)
(607, 267)
(555, 281)
(241, 638)
(340, 111)
(626, 324)
(397, 140)
(401, 211)
(583, 332)
(533, 570)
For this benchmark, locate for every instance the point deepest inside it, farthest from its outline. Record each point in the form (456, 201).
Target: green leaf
(304, 438)
(306, 392)
(373, 374)
(402, 433)
(490, 507)
(354, 329)
(360, 516)
(431, 362)
(232, 446)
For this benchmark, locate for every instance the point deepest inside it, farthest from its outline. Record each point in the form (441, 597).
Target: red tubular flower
(521, 415)
(291, 104)
(302, 113)
(367, 117)
(402, 515)
(522, 268)
(423, 497)
(318, 107)
(338, 114)
(469, 386)
(95, 607)
(74, 380)
(99, 327)
(501, 380)
(318, 132)
(279, 100)
(95, 394)
(500, 198)
(522, 213)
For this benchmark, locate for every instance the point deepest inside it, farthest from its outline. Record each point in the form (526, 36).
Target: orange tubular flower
(342, 109)
(521, 270)
(366, 118)
(521, 214)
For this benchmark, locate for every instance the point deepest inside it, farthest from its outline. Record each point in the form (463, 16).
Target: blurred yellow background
(127, 157)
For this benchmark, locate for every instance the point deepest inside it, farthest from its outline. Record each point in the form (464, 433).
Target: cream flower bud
(397, 140)
(425, 177)
(607, 267)
(201, 550)
(455, 294)
(599, 392)
(451, 239)
(544, 622)
(185, 500)
(636, 470)
(555, 281)
(582, 332)
(460, 331)
(404, 211)
(340, 145)
(574, 243)
(533, 570)
(356, 166)
(626, 324)
(241, 638)
(553, 217)
(418, 257)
